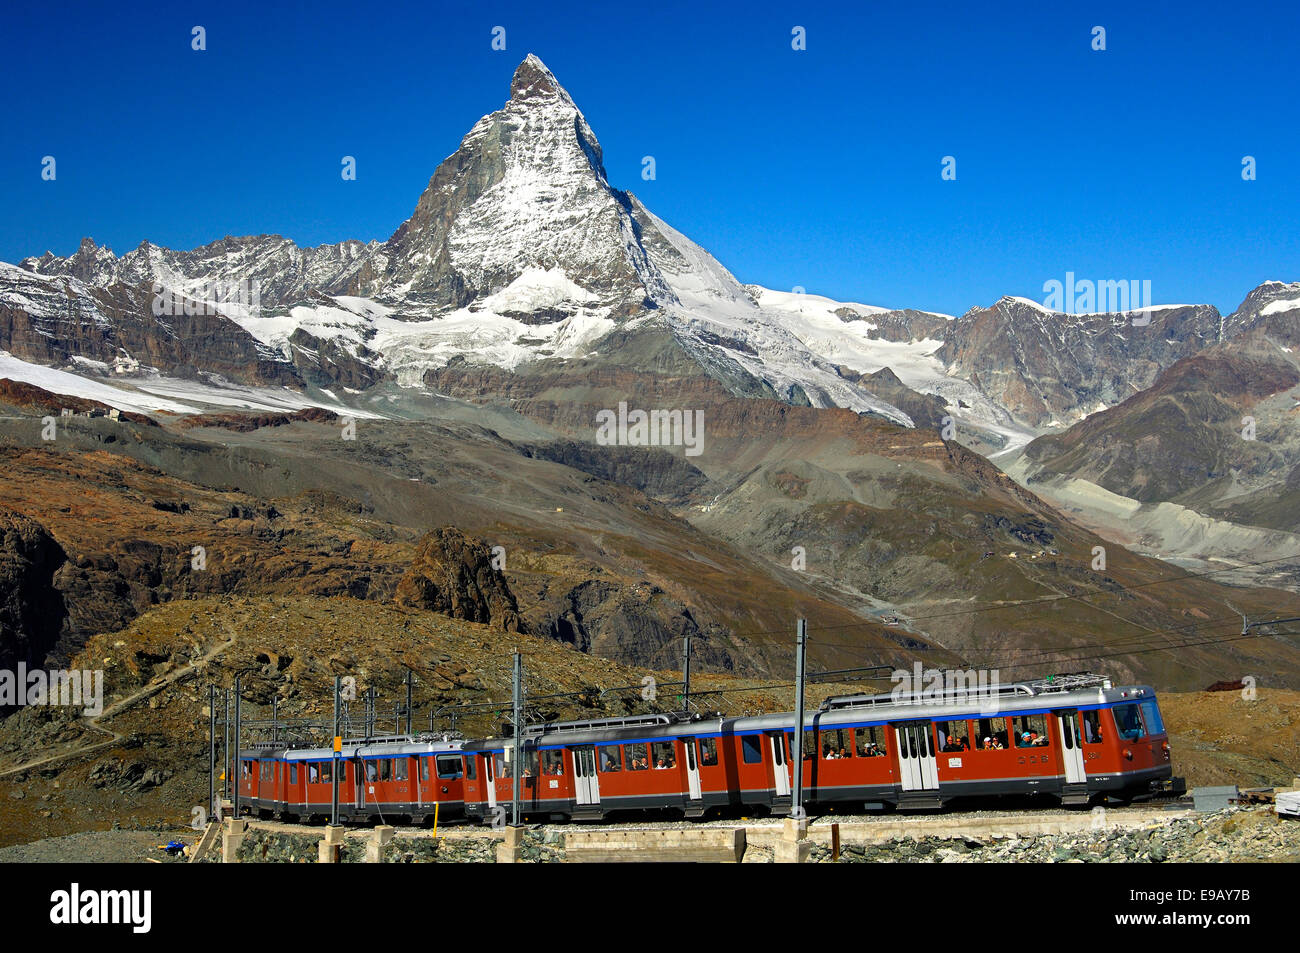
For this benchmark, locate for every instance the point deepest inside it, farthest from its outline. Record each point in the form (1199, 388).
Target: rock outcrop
(31, 608)
(1044, 366)
(453, 574)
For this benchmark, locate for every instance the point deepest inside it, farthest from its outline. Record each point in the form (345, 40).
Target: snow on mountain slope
(74, 385)
(153, 393)
(820, 324)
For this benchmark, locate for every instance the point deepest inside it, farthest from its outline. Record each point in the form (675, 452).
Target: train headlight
(1128, 753)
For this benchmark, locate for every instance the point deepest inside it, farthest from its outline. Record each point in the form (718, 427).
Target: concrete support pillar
(331, 844)
(231, 838)
(794, 846)
(378, 840)
(509, 848)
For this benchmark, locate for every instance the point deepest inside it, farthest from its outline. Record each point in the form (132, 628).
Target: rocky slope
(1206, 460)
(1050, 369)
(454, 575)
(279, 504)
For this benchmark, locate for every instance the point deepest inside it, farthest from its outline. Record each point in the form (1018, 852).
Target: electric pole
(238, 764)
(686, 675)
(213, 807)
(801, 644)
(518, 699)
(336, 744)
(226, 772)
(409, 676)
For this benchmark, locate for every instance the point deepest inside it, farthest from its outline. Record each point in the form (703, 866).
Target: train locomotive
(1076, 739)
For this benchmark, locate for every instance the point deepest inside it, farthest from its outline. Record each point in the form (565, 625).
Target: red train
(1077, 739)
(384, 780)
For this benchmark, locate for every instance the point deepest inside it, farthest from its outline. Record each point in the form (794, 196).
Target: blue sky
(818, 168)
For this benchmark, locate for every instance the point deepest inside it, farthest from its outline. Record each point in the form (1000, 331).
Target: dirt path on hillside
(116, 708)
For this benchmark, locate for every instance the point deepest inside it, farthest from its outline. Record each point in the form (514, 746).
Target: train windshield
(1151, 715)
(1129, 722)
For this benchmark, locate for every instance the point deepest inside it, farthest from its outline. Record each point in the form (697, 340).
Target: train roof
(1064, 691)
(1082, 691)
(603, 730)
(375, 748)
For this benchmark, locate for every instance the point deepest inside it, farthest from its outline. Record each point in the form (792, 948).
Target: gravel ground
(1184, 840)
(896, 817)
(99, 847)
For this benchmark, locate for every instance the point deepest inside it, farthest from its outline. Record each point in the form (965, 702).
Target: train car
(592, 769)
(1075, 738)
(384, 780)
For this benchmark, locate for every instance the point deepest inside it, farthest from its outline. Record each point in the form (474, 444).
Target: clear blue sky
(818, 168)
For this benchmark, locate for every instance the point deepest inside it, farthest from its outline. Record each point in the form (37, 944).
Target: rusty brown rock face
(453, 574)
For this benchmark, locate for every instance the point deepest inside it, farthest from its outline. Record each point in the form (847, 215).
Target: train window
(809, 745)
(1092, 726)
(530, 764)
(662, 755)
(471, 772)
(503, 767)
(1029, 731)
(1151, 715)
(325, 769)
(293, 774)
(1128, 722)
(448, 766)
(992, 734)
(611, 758)
(953, 735)
(399, 769)
(836, 744)
(424, 769)
(637, 759)
(869, 741)
(553, 761)
(245, 770)
(751, 747)
(372, 771)
(313, 774)
(708, 751)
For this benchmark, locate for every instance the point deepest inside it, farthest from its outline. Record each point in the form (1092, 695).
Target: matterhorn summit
(524, 202)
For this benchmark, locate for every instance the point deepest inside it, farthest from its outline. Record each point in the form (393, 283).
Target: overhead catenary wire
(1158, 648)
(1143, 634)
(1041, 600)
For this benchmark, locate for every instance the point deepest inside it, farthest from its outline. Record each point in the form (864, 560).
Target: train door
(917, 765)
(586, 786)
(692, 769)
(1071, 747)
(780, 764)
(490, 780)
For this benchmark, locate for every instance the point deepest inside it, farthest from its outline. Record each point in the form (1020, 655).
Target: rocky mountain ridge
(520, 250)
